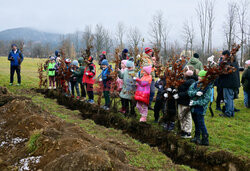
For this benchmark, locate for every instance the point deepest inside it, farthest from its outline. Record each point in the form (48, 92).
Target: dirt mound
(31, 139)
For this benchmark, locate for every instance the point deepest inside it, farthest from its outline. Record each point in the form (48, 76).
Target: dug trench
(180, 151)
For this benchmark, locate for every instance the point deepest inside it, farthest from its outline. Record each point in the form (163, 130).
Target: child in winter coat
(106, 82)
(245, 80)
(88, 78)
(79, 74)
(183, 100)
(199, 99)
(159, 103)
(73, 80)
(128, 88)
(51, 72)
(142, 93)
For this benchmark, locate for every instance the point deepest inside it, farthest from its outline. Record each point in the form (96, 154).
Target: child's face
(123, 66)
(104, 66)
(199, 79)
(130, 68)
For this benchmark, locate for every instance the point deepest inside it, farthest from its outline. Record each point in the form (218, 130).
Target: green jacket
(128, 86)
(51, 69)
(196, 63)
(245, 80)
(201, 101)
(79, 74)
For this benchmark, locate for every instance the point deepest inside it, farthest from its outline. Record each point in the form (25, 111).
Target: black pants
(219, 96)
(159, 104)
(170, 115)
(89, 89)
(83, 92)
(12, 72)
(107, 98)
(129, 104)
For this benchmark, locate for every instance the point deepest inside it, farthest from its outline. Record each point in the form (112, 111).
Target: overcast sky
(65, 16)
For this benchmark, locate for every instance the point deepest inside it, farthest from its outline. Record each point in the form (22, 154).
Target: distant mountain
(27, 34)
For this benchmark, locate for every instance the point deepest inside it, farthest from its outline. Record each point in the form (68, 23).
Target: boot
(204, 140)
(143, 119)
(171, 126)
(196, 139)
(122, 110)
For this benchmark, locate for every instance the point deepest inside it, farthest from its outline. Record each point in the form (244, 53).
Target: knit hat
(226, 52)
(90, 59)
(124, 62)
(247, 62)
(196, 55)
(105, 62)
(147, 69)
(104, 52)
(13, 45)
(67, 61)
(125, 51)
(148, 49)
(52, 58)
(80, 60)
(189, 72)
(75, 63)
(129, 64)
(202, 73)
(210, 59)
(57, 53)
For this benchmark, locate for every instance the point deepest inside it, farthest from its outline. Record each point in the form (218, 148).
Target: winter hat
(226, 52)
(147, 69)
(104, 52)
(189, 72)
(90, 59)
(57, 53)
(247, 62)
(210, 59)
(124, 62)
(148, 49)
(196, 55)
(80, 60)
(75, 63)
(13, 45)
(105, 62)
(125, 51)
(202, 73)
(52, 58)
(129, 64)
(67, 61)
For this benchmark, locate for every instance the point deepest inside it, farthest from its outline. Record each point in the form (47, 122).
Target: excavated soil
(178, 150)
(58, 146)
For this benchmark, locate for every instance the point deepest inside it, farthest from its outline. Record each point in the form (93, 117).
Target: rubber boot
(205, 140)
(171, 126)
(196, 139)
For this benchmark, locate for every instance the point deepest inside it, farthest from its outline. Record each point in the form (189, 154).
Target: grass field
(230, 134)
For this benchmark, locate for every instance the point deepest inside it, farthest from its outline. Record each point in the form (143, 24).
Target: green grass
(230, 134)
(32, 144)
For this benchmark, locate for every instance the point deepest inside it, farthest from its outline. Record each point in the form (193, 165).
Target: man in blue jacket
(16, 58)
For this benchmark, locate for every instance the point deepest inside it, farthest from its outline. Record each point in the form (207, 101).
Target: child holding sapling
(142, 93)
(51, 72)
(245, 80)
(106, 82)
(199, 99)
(128, 88)
(73, 80)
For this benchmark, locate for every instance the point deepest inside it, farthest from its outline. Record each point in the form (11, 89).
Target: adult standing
(195, 62)
(102, 57)
(16, 58)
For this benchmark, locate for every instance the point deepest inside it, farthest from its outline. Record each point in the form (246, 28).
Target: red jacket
(90, 78)
(142, 93)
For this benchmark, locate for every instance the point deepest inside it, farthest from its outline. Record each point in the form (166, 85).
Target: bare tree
(87, 36)
(210, 18)
(202, 14)
(99, 38)
(108, 42)
(120, 32)
(76, 42)
(230, 24)
(165, 33)
(242, 20)
(188, 34)
(156, 29)
(134, 38)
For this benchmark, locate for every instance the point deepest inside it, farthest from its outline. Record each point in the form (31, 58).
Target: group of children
(189, 102)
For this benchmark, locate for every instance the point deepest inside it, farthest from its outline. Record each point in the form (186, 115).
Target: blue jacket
(15, 59)
(104, 76)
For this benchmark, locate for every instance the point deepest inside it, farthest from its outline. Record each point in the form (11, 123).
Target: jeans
(52, 81)
(152, 92)
(219, 96)
(107, 98)
(12, 72)
(199, 124)
(246, 99)
(229, 101)
(74, 84)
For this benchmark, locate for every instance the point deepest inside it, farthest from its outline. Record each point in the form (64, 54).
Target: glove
(174, 91)
(176, 96)
(134, 78)
(160, 86)
(199, 93)
(100, 79)
(86, 73)
(71, 70)
(165, 95)
(191, 103)
(169, 89)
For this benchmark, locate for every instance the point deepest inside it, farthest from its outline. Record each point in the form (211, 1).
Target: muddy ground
(33, 139)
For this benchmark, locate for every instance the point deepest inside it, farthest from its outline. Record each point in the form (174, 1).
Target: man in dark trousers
(16, 58)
